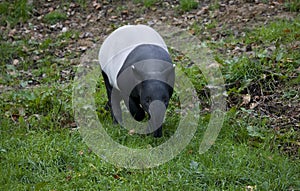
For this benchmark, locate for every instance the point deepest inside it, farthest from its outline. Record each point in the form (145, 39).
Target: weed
(187, 5)
(197, 28)
(14, 12)
(147, 3)
(82, 3)
(266, 63)
(214, 5)
(292, 5)
(54, 17)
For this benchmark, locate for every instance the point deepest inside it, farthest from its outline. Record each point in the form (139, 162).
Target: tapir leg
(116, 112)
(108, 90)
(135, 109)
(158, 132)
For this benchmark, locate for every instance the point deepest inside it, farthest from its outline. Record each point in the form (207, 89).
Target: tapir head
(155, 92)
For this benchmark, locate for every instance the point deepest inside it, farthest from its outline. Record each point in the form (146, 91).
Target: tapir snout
(157, 111)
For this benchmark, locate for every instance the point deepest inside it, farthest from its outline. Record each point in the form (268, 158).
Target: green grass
(13, 13)
(187, 5)
(36, 156)
(293, 5)
(272, 62)
(147, 3)
(41, 150)
(214, 5)
(55, 16)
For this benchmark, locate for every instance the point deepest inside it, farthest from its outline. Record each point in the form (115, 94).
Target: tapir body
(137, 68)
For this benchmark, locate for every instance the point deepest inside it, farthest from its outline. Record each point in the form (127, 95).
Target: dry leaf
(246, 99)
(250, 188)
(131, 132)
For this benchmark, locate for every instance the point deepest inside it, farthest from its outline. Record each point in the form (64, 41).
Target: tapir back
(120, 43)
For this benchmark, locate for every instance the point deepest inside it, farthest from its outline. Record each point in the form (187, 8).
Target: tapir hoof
(158, 133)
(107, 106)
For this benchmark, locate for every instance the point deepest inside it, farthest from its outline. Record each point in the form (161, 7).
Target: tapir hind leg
(112, 101)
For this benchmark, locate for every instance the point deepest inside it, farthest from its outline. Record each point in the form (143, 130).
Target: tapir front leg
(135, 109)
(158, 132)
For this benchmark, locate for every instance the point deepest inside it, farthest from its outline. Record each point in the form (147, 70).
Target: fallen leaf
(125, 13)
(253, 105)
(116, 176)
(246, 99)
(64, 29)
(131, 132)
(250, 188)
(16, 62)
(287, 30)
(68, 178)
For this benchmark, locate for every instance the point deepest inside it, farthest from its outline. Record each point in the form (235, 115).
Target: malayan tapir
(137, 68)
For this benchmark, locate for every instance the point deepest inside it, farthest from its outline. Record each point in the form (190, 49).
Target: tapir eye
(148, 100)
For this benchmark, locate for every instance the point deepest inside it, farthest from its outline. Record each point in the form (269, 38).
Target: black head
(152, 90)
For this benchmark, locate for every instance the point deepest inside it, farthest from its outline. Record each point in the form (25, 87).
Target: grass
(13, 13)
(187, 5)
(275, 60)
(40, 157)
(147, 3)
(293, 5)
(41, 150)
(54, 17)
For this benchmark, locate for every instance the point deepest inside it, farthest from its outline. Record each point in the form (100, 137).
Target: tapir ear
(169, 70)
(138, 74)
